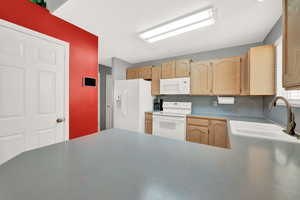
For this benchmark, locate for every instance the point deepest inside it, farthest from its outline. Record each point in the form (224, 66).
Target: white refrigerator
(132, 98)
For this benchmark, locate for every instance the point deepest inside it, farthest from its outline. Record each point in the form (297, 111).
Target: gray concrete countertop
(124, 165)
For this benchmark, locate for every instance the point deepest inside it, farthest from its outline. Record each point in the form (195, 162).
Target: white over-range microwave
(175, 86)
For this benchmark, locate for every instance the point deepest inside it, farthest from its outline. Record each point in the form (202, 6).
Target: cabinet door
(218, 133)
(197, 134)
(226, 76)
(262, 70)
(148, 126)
(145, 72)
(155, 83)
(291, 44)
(168, 70)
(201, 78)
(132, 73)
(245, 75)
(182, 68)
(148, 123)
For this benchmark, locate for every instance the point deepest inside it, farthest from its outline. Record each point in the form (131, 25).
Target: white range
(171, 122)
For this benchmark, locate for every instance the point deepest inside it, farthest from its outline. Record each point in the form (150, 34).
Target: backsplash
(244, 106)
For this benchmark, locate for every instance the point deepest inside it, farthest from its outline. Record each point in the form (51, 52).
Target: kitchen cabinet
(201, 78)
(291, 44)
(145, 72)
(218, 133)
(226, 76)
(168, 70)
(155, 83)
(245, 75)
(210, 131)
(132, 73)
(148, 122)
(175, 69)
(197, 134)
(139, 73)
(257, 69)
(182, 68)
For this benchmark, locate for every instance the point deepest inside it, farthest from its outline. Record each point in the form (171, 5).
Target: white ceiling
(118, 22)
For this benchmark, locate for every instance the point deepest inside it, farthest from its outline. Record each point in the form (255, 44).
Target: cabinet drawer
(197, 121)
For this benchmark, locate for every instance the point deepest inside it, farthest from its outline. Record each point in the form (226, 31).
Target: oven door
(169, 127)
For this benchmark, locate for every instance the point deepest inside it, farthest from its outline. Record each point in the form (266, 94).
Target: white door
(108, 101)
(31, 92)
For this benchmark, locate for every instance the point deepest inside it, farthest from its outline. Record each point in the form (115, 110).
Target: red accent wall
(83, 59)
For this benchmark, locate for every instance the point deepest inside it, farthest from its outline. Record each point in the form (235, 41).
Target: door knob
(60, 120)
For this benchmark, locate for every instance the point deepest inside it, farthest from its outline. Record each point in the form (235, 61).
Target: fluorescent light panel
(182, 30)
(183, 25)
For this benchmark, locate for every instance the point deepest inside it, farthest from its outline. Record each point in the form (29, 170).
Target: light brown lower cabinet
(197, 134)
(148, 122)
(218, 133)
(207, 131)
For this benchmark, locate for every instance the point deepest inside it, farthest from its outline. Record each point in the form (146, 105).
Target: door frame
(110, 94)
(66, 45)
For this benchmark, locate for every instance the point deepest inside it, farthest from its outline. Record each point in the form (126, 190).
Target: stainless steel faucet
(291, 124)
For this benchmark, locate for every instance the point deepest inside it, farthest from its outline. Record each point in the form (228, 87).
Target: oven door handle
(169, 120)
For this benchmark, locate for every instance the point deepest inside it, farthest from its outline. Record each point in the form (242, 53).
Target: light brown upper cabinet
(226, 76)
(145, 72)
(291, 44)
(245, 75)
(139, 72)
(168, 70)
(201, 78)
(175, 69)
(132, 73)
(258, 71)
(182, 68)
(155, 83)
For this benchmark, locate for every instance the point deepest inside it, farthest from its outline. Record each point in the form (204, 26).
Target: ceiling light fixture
(182, 25)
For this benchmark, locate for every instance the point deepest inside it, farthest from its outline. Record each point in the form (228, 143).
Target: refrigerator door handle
(124, 103)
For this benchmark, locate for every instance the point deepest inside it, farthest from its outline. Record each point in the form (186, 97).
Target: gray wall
(201, 105)
(202, 56)
(278, 114)
(275, 33)
(244, 106)
(52, 5)
(119, 68)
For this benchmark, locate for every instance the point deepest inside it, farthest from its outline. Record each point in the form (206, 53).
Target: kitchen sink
(260, 130)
